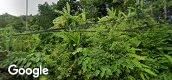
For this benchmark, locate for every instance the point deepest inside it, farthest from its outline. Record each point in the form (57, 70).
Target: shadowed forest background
(91, 40)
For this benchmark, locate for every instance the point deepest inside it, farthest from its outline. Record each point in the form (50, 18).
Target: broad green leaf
(150, 72)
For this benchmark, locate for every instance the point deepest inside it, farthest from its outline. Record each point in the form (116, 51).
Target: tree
(45, 16)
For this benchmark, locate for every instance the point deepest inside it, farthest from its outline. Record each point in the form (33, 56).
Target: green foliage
(67, 20)
(122, 48)
(25, 60)
(129, 43)
(25, 43)
(47, 14)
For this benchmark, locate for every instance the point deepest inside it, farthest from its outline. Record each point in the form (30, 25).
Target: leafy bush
(123, 47)
(127, 44)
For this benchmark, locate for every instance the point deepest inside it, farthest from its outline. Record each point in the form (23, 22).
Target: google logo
(36, 72)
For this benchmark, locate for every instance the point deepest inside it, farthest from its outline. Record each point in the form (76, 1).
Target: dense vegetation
(91, 40)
